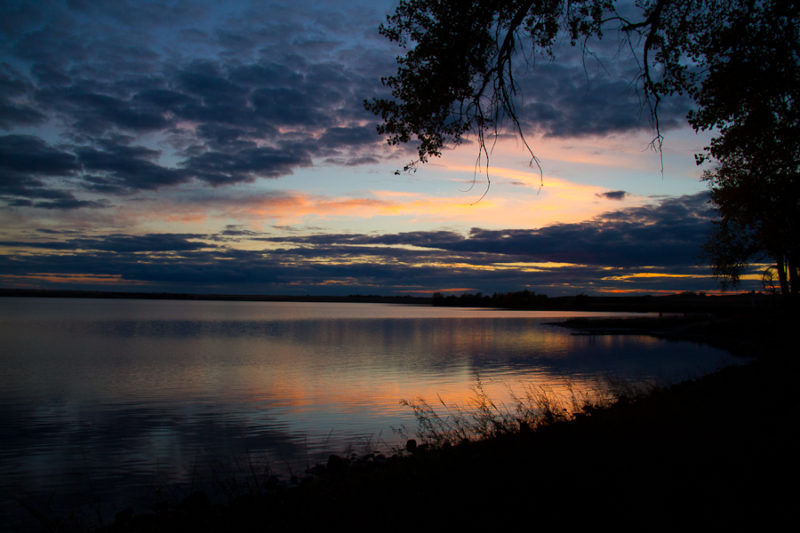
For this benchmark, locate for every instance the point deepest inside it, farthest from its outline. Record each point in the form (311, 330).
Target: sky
(223, 147)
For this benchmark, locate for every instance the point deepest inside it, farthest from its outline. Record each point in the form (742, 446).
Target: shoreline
(702, 452)
(757, 334)
(686, 302)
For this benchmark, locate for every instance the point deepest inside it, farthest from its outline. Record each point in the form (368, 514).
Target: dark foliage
(751, 93)
(457, 74)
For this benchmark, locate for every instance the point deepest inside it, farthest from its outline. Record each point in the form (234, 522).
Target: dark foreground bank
(716, 452)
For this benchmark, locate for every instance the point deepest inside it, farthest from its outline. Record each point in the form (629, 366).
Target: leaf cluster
(457, 74)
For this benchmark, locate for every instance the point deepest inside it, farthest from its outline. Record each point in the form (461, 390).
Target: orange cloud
(714, 292)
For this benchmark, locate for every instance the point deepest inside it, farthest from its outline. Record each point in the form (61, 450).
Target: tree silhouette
(759, 215)
(737, 60)
(751, 96)
(457, 74)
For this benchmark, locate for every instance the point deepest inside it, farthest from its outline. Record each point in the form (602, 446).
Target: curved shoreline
(704, 452)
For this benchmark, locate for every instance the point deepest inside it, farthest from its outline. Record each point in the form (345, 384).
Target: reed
(444, 424)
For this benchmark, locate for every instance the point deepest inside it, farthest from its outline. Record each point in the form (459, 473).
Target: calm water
(104, 401)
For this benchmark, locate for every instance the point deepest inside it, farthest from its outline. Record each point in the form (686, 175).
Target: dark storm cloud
(668, 234)
(266, 75)
(430, 239)
(25, 155)
(14, 110)
(222, 137)
(65, 201)
(15, 114)
(26, 164)
(127, 167)
(154, 242)
(186, 269)
(220, 98)
(93, 113)
(88, 110)
(287, 106)
(348, 136)
(120, 243)
(165, 100)
(218, 168)
(206, 80)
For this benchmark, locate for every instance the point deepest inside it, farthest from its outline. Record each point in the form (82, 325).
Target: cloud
(228, 104)
(669, 234)
(92, 113)
(612, 195)
(654, 247)
(120, 243)
(226, 95)
(247, 164)
(15, 114)
(127, 167)
(153, 242)
(348, 136)
(27, 165)
(174, 114)
(59, 201)
(26, 155)
(14, 109)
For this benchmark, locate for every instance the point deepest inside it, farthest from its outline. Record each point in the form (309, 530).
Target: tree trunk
(794, 282)
(782, 275)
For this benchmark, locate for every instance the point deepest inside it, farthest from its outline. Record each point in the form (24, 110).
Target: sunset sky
(210, 146)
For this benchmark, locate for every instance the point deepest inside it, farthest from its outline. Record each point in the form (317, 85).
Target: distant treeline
(523, 300)
(681, 302)
(509, 300)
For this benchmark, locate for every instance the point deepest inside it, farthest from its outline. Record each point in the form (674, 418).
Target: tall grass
(443, 424)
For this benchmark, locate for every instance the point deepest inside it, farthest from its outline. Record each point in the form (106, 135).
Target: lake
(104, 403)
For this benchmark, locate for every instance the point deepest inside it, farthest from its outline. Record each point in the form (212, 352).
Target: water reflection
(133, 394)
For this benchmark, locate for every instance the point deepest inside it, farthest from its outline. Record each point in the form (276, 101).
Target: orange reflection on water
(419, 362)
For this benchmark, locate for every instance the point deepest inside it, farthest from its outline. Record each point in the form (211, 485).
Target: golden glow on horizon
(517, 266)
(345, 282)
(621, 152)
(654, 275)
(456, 266)
(713, 292)
(432, 291)
(55, 277)
(752, 277)
(546, 264)
(550, 185)
(507, 206)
